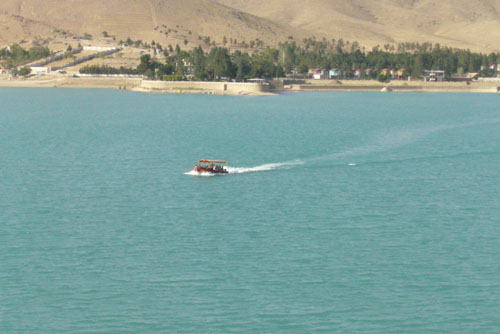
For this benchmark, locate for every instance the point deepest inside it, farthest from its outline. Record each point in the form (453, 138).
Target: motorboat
(211, 166)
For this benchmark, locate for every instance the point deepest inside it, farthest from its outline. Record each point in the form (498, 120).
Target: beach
(138, 84)
(246, 89)
(393, 86)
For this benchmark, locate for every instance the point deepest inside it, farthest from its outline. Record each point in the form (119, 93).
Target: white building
(38, 70)
(433, 75)
(99, 48)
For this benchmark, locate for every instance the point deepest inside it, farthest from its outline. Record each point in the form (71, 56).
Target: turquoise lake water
(343, 213)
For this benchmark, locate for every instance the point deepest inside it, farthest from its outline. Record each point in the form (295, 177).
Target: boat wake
(195, 173)
(265, 167)
(261, 168)
(391, 139)
(385, 141)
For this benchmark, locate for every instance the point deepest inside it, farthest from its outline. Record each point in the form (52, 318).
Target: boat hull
(209, 170)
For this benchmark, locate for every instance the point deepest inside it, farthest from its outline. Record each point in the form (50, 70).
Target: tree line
(16, 55)
(219, 63)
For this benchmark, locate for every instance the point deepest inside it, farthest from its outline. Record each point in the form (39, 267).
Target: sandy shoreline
(140, 85)
(395, 86)
(248, 89)
(71, 82)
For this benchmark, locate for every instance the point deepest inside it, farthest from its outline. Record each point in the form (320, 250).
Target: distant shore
(393, 86)
(248, 89)
(140, 85)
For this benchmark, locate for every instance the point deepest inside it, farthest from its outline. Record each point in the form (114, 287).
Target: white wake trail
(194, 173)
(395, 138)
(263, 168)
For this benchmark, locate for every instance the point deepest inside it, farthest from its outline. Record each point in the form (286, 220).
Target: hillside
(461, 23)
(146, 20)
(473, 24)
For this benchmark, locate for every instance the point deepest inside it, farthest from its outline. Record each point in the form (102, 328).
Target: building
(257, 81)
(473, 75)
(369, 71)
(99, 48)
(39, 70)
(357, 73)
(467, 77)
(401, 74)
(188, 66)
(387, 72)
(318, 73)
(495, 68)
(335, 73)
(434, 76)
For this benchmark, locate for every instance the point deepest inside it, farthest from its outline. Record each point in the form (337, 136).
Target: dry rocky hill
(473, 24)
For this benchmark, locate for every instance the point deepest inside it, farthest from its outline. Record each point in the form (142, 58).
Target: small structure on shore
(318, 73)
(40, 70)
(335, 73)
(258, 81)
(99, 48)
(434, 76)
(467, 77)
(357, 73)
(401, 74)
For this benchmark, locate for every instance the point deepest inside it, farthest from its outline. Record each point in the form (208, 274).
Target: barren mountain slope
(460, 23)
(139, 18)
(14, 28)
(471, 24)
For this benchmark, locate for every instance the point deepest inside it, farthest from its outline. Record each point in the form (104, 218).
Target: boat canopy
(213, 161)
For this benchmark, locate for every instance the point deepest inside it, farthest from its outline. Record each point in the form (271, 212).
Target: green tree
(219, 63)
(382, 77)
(242, 63)
(25, 71)
(198, 61)
(145, 65)
(418, 67)
(150, 74)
